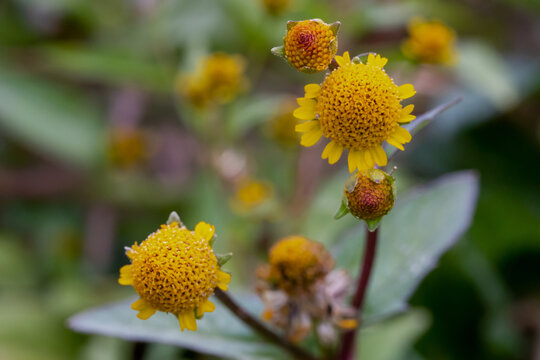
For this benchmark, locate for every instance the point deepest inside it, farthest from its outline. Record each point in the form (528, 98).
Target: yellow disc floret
(296, 263)
(430, 42)
(175, 270)
(357, 107)
(310, 45)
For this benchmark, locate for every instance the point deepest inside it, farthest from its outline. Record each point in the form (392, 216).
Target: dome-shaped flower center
(174, 270)
(359, 106)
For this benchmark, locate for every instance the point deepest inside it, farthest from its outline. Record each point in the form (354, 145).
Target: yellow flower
(282, 125)
(296, 263)
(276, 7)
(127, 147)
(430, 42)
(310, 45)
(250, 194)
(219, 78)
(175, 270)
(357, 108)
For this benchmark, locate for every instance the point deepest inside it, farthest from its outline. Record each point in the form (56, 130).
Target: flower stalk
(348, 342)
(295, 351)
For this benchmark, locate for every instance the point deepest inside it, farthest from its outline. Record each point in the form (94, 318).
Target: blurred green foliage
(71, 70)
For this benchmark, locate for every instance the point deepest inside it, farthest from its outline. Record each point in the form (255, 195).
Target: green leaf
(421, 227)
(393, 339)
(219, 333)
(110, 67)
(53, 119)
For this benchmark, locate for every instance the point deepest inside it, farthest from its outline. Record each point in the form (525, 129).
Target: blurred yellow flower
(175, 270)
(126, 147)
(310, 45)
(219, 78)
(282, 125)
(276, 7)
(357, 107)
(430, 42)
(250, 194)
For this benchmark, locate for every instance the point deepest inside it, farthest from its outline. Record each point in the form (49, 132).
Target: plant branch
(348, 342)
(248, 319)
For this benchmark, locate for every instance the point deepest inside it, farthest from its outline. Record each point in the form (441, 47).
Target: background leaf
(220, 333)
(51, 118)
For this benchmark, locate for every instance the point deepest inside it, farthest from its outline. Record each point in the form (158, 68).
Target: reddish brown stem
(348, 342)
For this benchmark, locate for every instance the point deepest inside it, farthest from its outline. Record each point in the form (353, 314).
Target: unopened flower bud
(309, 45)
(369, 195)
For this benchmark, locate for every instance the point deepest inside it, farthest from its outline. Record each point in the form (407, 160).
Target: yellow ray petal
(145, 309)
(307, 126)
(356, 160)
(205, 231)
(205, 307)
(378, 154)
(401, 135)
(395, 143)
(332, 152)
(343, 60)
(132, 251)
(406, 119)
(310, 138)
(126, 277)
(407, 109)
(406, 91)
(376, 60)
(187, 320)
(305, 113)
(368, 159)
(306, 102)
(223, 280)
(312, 90)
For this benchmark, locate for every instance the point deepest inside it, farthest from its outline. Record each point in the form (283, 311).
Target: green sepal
(278, 51)
(334, 27)
(174, 217)
(291, 24)
(222, 259)
(212, 240)
(373, 224)
(343, 209)
(197, 317)
(351, 182)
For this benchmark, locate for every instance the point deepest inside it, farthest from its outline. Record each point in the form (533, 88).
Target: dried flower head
(300, 290)
(296, 263)
(357, 107)
(219, 78)
(370, 194)
(175, 270)
(309, 45)
(430, 42)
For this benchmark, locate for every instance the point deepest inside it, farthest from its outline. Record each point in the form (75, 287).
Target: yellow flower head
(219, 78)
(371, 195)
(250, 194)
(296, 263)
(276, 7)
(357, 107)
(430, 42)
(310, 45)
(282, 125)
(127, 147)
(175, 270)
